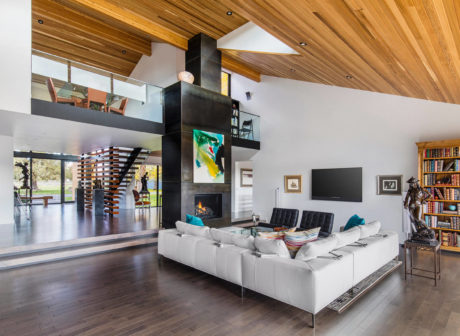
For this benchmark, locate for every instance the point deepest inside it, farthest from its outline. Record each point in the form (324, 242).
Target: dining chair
(121, 109)
(95, 97)
(55, 98)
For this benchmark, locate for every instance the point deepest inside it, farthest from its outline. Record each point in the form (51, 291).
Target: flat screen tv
(340, 184)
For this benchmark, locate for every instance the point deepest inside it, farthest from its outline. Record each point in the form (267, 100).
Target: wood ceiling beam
(87, 27)
(240, 68)
(133, 20)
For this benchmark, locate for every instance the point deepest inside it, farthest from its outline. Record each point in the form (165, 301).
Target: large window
(52, 175)
(46, 180)
(154, 173)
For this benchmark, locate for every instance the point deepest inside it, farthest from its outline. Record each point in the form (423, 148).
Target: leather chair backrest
(313, 219)
(284, 217)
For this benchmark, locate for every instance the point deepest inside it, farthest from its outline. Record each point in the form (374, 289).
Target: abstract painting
(208, 156)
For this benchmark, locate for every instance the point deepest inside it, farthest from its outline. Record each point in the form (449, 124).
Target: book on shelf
(449, 239)
(452, 223)
(441, 152)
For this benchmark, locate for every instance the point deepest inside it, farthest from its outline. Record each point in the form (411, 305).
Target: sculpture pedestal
(80, 199)
(98, 202)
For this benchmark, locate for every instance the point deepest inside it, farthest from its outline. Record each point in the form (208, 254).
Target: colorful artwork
(208, 155)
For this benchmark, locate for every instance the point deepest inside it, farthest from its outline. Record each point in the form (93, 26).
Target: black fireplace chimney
(204, 61)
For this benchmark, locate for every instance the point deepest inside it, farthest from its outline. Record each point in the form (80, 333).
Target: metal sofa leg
(313, 321)
(160, 259)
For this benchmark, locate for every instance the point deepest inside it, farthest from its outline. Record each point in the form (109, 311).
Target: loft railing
(63, 81)
(246, 125)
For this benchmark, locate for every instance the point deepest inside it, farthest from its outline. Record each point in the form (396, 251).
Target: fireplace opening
(208, 206)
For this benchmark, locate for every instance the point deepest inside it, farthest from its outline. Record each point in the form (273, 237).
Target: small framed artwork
(293, 183)
(246, 177)
(389, 184)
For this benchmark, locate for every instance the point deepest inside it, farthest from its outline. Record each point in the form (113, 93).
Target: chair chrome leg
(242, 292)
(313, 321)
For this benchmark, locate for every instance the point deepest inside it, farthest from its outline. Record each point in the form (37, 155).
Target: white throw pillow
(243, 241)
(369, 229)
(222, 236)
(316, 248)
(347, 237)
(272, 246)
(193, 230)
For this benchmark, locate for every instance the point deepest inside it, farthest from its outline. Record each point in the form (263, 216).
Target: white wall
(15, 58)
(306, 126)
(162, 67)
(7, 186)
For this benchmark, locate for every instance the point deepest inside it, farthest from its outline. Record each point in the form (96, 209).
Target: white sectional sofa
(308, 285)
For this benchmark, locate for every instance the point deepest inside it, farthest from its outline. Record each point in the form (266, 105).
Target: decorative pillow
(194, 220)
(354, 220)
(194, 230)
(319, 247)
(369, 229)
(347, 237)
(272, 246)
(295, 240)
(243, 241)
(271, 235)
(222, 236)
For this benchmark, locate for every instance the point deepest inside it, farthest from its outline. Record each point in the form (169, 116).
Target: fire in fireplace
(208, 206)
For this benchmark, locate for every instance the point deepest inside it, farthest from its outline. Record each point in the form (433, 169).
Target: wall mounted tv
(340, 184)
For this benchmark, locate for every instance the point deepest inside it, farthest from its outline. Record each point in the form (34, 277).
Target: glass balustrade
(248, 126)
(59, 80)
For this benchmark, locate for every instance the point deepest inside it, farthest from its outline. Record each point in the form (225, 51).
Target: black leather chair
(282, 217)
(313, 219)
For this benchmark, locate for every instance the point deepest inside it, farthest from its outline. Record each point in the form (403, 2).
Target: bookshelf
(439, 174)
(235, 118)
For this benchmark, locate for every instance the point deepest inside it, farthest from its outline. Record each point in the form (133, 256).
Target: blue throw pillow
(354, 220)
(193, 220)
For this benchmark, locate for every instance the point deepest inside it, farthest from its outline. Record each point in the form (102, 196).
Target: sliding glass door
(46, 180)
(70, 180)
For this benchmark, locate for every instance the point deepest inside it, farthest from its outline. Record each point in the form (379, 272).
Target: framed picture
(208, 157)
(293, 183)
(245, 177)
(389, 184)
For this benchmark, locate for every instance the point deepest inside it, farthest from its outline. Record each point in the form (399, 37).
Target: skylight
(251, 38)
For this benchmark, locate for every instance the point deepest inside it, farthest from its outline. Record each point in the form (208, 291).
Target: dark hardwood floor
(60, 222)
(127, 293)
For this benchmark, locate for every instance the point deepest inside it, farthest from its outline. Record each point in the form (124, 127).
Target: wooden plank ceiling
(403, 47)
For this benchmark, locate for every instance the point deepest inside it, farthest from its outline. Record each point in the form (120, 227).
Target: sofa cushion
(205, 256)
(347, 237)
(295, 240)
(229, 263)
(316, 248)
(369, 229)
(379, 251)
(307, 285)
(193, 230)
(246, 242)
(222, 236)
(194, 220)
(272, 246)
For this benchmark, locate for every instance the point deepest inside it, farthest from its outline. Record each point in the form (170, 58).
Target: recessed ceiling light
(229, 13)
(303, 44)
(123, 51)
(40, 21)
(349, 77)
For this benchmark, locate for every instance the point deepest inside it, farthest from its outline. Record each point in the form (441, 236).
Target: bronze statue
(144, 180)
(97, 184)
(25, 174)
(415, 198)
